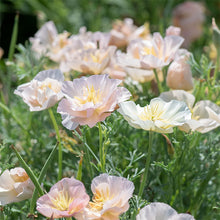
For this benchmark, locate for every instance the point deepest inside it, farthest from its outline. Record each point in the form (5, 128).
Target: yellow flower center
(51, 84)
(99, 198)
(62, 201)
(63, 40)
(149, 51)
(154, 113)
(89, 95)
(145, 32)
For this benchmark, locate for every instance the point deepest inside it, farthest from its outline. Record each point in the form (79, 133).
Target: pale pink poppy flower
(204, 112)
(65, 199)
(90, 100)
(15, 186)
(131, 62)
(158, 116)
(92, 61)
(145, 55)
(44, 38)
(159, 52)
(172, 30)
(189, 16)
(179, 74)
(43, 92)
(161, 211)
(115, 70)
(88, 53)
(110, 198)
(121, 32)
(48, 42)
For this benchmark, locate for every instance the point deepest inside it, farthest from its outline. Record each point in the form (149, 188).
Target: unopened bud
(216, 34)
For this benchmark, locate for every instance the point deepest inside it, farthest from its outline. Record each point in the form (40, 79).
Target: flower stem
(101, 149)
(158, 81)
(60, 155)
(143, 182)
(29, 172)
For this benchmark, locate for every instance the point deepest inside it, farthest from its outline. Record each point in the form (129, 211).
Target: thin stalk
(158, 81)
(101, 149)
(28, 171)
(60, 153)
(143, 182)
(41, 176)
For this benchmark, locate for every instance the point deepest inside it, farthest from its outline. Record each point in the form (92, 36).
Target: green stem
(143, 182)
(40, 178)
(60, 154)
(158, 81)
(101, 149)
(29, 172)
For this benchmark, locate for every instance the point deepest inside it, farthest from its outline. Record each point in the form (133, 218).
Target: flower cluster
(68, 198)
(93, 80)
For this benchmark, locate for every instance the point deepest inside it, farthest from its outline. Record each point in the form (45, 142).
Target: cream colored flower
(158, 116)
(15, 186)
(92, 61)
(48, 42)
(159, 52)
(131, 62)
(179, 75)
(145, 55)
(44, 38)
(189, 16)
(110, 198)
(90, 100)
(161, 211)
(204, 113)
(43, 91)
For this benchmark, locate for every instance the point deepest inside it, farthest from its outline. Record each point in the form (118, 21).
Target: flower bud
(179, 75)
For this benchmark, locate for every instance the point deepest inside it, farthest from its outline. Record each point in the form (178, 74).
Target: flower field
(111, 110)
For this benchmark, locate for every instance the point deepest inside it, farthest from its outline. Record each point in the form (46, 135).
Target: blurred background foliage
(96, 15)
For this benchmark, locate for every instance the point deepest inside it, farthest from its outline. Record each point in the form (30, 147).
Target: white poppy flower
(159, 116)
(15, 186)
(44, 91)
(205, 114)
(161, 211)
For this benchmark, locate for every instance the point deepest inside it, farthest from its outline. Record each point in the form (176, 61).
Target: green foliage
(178, 171)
